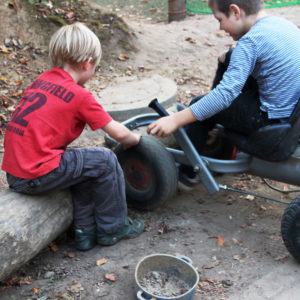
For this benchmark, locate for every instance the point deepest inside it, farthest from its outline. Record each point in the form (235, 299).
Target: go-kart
(272, 152)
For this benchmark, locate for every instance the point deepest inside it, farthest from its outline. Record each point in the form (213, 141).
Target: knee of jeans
(112, 159)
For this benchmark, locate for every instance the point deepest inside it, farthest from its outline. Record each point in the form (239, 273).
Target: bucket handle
(186, 259)
(139, 295)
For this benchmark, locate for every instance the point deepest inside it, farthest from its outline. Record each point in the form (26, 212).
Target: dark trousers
(97, 186)
(243, 115)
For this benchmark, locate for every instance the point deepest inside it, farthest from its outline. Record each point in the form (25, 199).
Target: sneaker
(85, 239)
(130, 229)
(187, 179)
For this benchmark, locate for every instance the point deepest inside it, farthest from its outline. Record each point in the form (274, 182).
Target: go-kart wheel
(290, 228)
(150, 173)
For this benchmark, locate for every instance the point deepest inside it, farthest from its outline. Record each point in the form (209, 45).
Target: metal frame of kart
(287, 171)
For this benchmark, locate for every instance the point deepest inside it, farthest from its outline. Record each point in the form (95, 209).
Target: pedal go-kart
(272, 152)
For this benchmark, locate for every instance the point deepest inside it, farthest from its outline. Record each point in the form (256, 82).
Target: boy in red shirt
(52, 113)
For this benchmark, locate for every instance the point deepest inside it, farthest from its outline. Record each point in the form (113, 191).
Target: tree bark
(28, 224)
(176, 10)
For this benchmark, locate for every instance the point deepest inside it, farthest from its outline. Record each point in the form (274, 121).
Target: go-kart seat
(275, 142)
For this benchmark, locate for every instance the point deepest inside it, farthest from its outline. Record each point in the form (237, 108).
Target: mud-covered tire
(290, 228)
(150, 173)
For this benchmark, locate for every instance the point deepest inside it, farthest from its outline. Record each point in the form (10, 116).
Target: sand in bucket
(163, 284)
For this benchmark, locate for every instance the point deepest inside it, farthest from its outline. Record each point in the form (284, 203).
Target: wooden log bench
(28, 224)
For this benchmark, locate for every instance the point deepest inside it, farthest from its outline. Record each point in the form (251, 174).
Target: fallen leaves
(211, 266)
(163, 228)
(240, 257)
(15, 281)
(123, 57)
(101, 261)
(75, 287)
(211, 286)
(71, 255)
(17, 94)
(220, 239)
(190, 40)
(110, 277)
(53, 247)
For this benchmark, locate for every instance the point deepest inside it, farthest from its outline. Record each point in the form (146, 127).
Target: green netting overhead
(200, 6)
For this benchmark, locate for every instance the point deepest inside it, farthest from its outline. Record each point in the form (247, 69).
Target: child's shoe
(85, 239)
(131, 229)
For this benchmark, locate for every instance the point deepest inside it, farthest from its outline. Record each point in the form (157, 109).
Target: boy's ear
(86, 63)
(235, 11)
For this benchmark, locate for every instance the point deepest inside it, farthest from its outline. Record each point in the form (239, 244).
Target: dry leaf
(190, 40)
(235, 241)
(262, 208)
(110, 277)
(71, 255)
(35, 290)
(207, 267)
(220, 241)
(163, 228)
(75, 287)
(250, 197)
(211, 280)
(18, 82)
(209, 44)
(3, 117)
(101, 261)
(15, 5)
(123, 56)
(17, 94)
(53, 247)
(25, 280)
(4, 50)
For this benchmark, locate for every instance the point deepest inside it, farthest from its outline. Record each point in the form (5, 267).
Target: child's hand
(162, 127)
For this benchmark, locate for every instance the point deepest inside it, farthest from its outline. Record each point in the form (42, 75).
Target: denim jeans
(97, 185)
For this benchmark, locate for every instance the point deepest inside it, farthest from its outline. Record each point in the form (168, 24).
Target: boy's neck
(73, 73)
(250, 20)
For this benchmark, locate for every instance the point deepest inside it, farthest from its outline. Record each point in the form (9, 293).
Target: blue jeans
(97, 185)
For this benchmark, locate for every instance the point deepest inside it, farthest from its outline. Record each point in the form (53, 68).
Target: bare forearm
(167, 125)
(122, 134)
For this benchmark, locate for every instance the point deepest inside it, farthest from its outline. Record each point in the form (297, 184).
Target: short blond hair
(74, 44)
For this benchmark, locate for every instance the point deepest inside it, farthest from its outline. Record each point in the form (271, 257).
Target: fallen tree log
(28, 224)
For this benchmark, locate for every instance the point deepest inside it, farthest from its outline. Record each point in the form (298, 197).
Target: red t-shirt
(52, 113)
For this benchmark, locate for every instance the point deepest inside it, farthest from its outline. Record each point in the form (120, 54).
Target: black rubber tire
(150, 173)
(290, 228)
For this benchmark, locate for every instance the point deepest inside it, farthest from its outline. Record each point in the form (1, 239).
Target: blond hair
(74, 44)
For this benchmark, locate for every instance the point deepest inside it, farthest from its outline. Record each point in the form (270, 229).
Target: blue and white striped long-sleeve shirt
(270, 52)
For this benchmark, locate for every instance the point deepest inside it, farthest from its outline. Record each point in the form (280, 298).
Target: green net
(200, 6)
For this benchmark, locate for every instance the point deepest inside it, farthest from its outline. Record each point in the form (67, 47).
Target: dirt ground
(232, 239)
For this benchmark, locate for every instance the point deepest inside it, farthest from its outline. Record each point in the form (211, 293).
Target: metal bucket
(179, 266)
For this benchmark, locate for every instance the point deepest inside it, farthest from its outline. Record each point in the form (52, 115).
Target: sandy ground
(194, 223)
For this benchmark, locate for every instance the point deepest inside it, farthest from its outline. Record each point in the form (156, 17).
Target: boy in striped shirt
(256, 84)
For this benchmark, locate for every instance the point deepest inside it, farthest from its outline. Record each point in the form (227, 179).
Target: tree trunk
(176, 10)
(28, 224)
